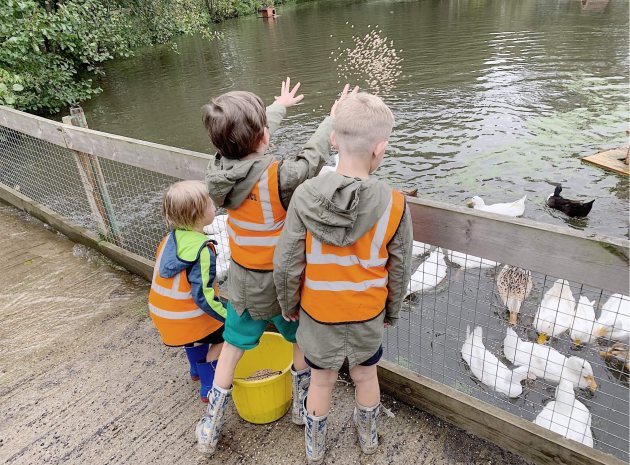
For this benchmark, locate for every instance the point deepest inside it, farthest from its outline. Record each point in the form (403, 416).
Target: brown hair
(362, 121)
(185, 203)
(235, 122)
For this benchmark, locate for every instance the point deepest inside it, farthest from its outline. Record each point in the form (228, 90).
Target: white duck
(487, 367)
(567, 416)
(556, 311)
(328, 168)
(429, 273)
(514, 285)
(466, 261)
(614, 321)
(420, 248)
(516, 208)
(546, 362)
(218, 231)
(584, 322)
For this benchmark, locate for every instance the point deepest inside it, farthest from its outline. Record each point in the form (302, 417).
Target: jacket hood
(180, 251)
(231, 181)
(339, 210)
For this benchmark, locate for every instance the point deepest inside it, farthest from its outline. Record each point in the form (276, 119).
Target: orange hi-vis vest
(349, 284)
(174, 312)
(255, 226)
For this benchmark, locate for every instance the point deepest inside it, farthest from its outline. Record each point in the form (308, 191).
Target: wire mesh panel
(559, 358)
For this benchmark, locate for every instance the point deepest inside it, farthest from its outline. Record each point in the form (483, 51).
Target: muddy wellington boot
(206, 376)
(300, 380)
(194, 354)
(315, 436)
(365, 421)
(209, 427)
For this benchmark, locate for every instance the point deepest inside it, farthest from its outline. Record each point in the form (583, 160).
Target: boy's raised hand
(287, 97)
(344, 94)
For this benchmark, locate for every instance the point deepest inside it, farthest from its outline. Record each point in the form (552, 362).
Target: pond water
(496, 98)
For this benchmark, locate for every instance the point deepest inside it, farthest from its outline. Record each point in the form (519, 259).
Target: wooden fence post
(94, 184)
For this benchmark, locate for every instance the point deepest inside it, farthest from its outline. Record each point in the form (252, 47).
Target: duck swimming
(514, 285)
(567, 416)
(572, 208)
(516, 208)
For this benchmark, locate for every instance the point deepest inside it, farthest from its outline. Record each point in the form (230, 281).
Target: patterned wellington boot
(300, 380)
(209, 427)
(315, 437)
(206, 375)
(194, 354)
(365, 421)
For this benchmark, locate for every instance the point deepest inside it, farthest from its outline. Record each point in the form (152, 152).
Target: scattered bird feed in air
(373, 63)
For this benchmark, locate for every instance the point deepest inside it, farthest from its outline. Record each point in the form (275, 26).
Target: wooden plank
(612, 159)
(132, 262)
(598, 261)
(171, 161)
(487, 421)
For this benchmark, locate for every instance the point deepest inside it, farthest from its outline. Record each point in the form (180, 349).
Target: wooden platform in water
(611, 160)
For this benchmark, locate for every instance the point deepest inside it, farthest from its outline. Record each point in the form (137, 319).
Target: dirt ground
(84, 378)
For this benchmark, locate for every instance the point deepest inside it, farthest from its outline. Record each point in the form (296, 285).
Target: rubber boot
(315, 436)
(206, 375)
(209, 427)
(365, 421)
(300, 380)
(194, 354)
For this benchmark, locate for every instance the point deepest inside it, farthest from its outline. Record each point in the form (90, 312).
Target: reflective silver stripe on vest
(316, 257)
(252, 241)
(165, 291)
(269, 223)
(345, 285)
(175, 315)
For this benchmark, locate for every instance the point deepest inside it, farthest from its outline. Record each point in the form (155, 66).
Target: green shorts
(244, 332)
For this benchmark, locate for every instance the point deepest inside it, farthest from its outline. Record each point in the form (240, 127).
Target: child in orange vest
(183, 301)
(342, 265)
(255, 188)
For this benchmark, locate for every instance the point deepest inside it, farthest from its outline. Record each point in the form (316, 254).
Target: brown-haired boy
(343, 264)
(255, 188)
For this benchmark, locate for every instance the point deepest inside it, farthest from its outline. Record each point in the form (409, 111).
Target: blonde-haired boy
(183, 302)
(342, 264)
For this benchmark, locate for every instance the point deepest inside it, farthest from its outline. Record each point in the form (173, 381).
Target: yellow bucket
(265, 400)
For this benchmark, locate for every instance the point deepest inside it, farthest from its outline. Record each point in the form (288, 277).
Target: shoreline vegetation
(51, 50)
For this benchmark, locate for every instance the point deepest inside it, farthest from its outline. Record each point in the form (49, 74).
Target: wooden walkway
(85, 379)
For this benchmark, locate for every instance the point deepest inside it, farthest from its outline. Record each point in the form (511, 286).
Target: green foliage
(50, 50)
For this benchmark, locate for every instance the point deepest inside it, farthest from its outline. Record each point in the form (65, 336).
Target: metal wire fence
(455, 329)
(454, 323)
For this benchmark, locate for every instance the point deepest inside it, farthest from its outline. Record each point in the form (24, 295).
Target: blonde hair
(362, 121)
(235, 122)
(185, 203)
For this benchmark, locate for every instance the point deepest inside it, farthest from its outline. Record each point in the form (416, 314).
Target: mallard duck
(620, 352)
(516, 208)
(514, 285)
(328, 168)
(487, 367)
(584, 322)
(556, 311)
(567, 416)
(429, 273)
(614, 321)
(572, 208)
(546, 362)
(466, 261)
(410, 192)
